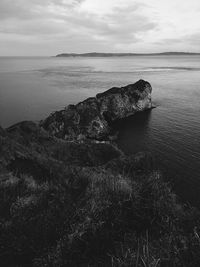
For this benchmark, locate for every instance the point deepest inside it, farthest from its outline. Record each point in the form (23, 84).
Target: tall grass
(96, 217)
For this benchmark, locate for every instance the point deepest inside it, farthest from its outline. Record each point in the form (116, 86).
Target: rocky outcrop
(41, 150)
(25, 149)
(93, 118)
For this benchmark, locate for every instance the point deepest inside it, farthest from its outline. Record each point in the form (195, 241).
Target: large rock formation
(37, 149)
(93, 117)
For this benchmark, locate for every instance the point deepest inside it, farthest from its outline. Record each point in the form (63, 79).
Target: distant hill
(95, 54)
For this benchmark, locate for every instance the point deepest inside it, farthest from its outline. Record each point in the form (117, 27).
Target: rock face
(93, 118)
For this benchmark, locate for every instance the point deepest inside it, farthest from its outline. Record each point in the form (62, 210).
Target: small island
(70, 197)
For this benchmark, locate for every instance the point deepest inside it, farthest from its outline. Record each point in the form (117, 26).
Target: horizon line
(105, 53)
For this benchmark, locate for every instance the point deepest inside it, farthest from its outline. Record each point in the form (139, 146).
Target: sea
(33, 87)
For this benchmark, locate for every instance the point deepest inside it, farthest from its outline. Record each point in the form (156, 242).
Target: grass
(96, 216)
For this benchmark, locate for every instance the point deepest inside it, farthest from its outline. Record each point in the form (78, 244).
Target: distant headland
(97, 54)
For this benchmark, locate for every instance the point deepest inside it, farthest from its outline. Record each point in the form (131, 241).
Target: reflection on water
(134, 131)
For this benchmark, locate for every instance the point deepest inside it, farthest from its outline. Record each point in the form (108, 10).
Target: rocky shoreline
(79, 135)
(70, 197)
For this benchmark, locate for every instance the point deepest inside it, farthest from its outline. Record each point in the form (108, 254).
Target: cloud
(186, 42)
(119, 26)
(28, 9)
(126, 22)
(98, 25)
(193, 39)
(56, 17)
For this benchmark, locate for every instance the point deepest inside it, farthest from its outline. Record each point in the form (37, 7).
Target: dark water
(31, 88)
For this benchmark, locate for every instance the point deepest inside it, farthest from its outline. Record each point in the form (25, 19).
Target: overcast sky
(49, 27)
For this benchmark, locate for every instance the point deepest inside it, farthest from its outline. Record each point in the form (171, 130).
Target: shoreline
(69, 199)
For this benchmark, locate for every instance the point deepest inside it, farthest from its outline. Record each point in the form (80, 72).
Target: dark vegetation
(66, 204)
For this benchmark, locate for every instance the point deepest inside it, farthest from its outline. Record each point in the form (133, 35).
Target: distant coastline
(96, 54)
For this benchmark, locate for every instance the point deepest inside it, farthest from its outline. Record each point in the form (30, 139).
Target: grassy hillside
(58, 209)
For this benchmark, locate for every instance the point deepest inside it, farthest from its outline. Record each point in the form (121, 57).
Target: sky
(50, 27)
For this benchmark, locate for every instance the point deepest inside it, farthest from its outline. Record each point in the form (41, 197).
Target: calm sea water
(31, 88)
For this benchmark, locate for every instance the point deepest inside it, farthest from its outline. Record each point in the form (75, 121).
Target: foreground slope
(85, 203)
